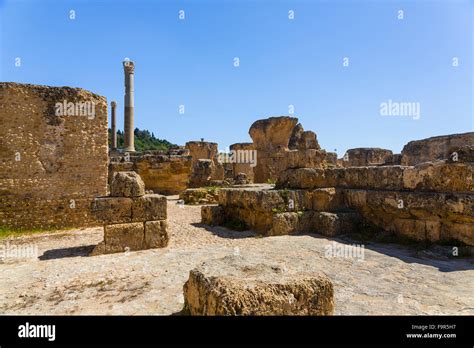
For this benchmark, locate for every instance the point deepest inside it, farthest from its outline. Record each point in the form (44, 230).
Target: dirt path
(63, 280)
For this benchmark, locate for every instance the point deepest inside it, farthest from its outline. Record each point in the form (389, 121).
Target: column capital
(128, 66)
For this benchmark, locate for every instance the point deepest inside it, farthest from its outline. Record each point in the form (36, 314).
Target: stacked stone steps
(430, 202)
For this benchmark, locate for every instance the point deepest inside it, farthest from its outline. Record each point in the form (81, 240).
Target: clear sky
(283, 62)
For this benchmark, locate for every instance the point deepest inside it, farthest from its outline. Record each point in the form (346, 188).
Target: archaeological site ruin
(256, 230)
(258, 172)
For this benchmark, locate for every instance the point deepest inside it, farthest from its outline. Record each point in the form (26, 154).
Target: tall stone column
(129, 141)
(113, 105)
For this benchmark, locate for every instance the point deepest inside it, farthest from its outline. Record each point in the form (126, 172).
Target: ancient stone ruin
(53, 155)
(163, 172)
(53, 172)
(132, 219)
(57, 171)
(430, 201)
(282, 143)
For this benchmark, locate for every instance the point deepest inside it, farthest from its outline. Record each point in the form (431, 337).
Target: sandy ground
(390, 279)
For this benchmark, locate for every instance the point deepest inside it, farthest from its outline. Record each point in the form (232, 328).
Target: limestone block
(284, 223)
(156, 235)
(435, 148)
(149, 207)
(123, 237)
(127, 184)
(112, 210)
(327, 199)
(453, 231)
(235, 286)
(212, 215)
(333, 224)
(440, 176)
(368, 156)
(461, 154)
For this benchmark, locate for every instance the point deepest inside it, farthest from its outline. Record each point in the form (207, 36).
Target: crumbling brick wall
(53, 158)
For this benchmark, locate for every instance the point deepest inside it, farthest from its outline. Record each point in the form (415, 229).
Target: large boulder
(272, 133)
(127, 184)
(435, 148)
(234, 285)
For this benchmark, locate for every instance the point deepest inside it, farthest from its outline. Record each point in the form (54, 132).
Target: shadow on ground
(224, 232)
(438, 256)
(79, 251)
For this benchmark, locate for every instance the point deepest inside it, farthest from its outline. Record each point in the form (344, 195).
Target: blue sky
(283, 62)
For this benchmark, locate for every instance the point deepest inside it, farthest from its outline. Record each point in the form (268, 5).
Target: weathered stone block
(149, 207)
(435, 148)
(463, 232)
(410, 228)
(440, 177)
(156, 235)
(333, 224)
(327, 199)
(201, 174)
(309, 158)
(112, 210)
(123, 237)
(235, 286)
(371, 156)
(165, 174)
(284, 223)
(127, 184)
(212, 215)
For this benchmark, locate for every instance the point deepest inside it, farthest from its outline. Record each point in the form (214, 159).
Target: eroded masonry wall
(53, 160)
(162, 173)
(282, 143)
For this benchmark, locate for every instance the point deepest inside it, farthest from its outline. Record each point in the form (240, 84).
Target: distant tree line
(144, 140)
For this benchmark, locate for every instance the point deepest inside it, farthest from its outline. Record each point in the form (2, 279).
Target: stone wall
(282, 143)
(53, 162)
(435, 148)
(430, 202)
(243, 166)
(165, 174)
(203, 150)
(433, 201)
